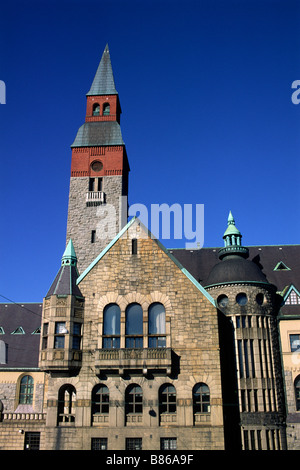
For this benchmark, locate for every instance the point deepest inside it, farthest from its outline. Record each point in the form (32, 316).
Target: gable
(148, 247)
(292, 296)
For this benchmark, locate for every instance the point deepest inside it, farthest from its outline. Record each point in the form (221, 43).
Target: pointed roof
(103, 83)
(231, 229)
(150, 235)
(65, 280)
(69, 256)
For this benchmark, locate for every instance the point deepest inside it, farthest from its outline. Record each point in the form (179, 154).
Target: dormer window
(106, 109)
(96, 109)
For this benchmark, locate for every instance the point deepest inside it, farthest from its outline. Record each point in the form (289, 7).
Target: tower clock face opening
(96, 166)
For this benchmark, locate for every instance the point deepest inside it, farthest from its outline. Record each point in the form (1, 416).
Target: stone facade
(105, 219)
(191, 356)
(257, 351)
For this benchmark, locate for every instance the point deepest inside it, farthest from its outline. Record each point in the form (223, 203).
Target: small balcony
(144, 360)
(95, 198)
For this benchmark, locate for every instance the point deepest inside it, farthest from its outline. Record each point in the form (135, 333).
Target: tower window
(93, 236)
(59, 336)
(96, 166)
(76, 336)
(95, 184)
(96, 109)
(134, 246)
(242, 299)
(223, 300)
(106, 109)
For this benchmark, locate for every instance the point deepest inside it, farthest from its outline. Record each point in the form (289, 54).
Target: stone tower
(99, 171)
(249, 305)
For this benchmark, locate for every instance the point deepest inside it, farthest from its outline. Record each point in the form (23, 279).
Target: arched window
(156, 326)
(297, 393)
(26, 390)
(66, 404)
(201, 398)
(167, 399)
(111, 326)
(100, 400)
(133, 399)
(96, 109)
(134, 326)
(106, 109)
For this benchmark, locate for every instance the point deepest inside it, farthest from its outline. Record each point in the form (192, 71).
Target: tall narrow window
(96, 109)
(76, 343)
(93, 236)
(92, 184)
(59, 336)
(111, 326)
(134, 326)
(66, 404)
(106, 109)
(156, 326)
(134, 246)
(45, 336)
(26, 390)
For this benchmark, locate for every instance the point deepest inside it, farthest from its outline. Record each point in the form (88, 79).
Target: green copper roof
(231, 229)
(69, 256)
(65, 280)
(103, 83)
(98, 133)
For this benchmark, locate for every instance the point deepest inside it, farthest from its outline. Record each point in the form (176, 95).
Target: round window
(223, 300)
(241, 298)
(96, 166)
(260, 298)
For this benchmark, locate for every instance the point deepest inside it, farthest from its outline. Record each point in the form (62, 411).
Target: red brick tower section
(99, 171)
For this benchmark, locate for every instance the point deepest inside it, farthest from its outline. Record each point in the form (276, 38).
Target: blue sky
(205, 90)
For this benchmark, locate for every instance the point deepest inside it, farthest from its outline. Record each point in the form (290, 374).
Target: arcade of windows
(134, 332)
(105, 109)
(133, 403)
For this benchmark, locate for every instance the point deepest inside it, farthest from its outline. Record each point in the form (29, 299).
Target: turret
(62, 318)
(249, 335)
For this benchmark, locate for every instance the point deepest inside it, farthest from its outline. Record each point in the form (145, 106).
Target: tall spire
(103, 83)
